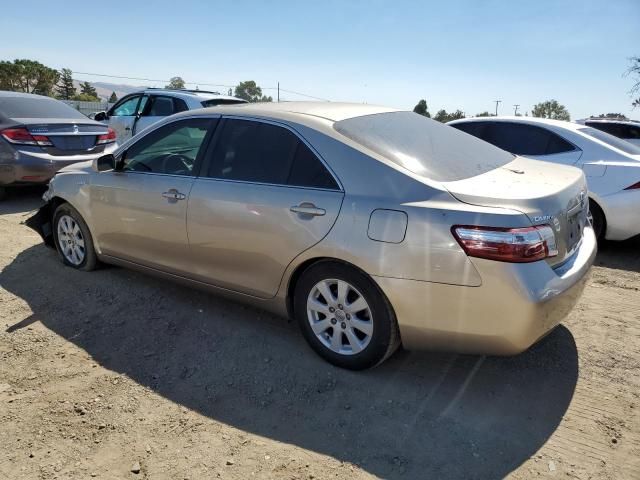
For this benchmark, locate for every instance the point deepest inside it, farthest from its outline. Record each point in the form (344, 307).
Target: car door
(157, 108)
(263, 197)
(531, 141)
(122, 116)
(139, 210)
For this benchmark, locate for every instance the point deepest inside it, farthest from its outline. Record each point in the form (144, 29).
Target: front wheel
(344, 316)
(73, 239)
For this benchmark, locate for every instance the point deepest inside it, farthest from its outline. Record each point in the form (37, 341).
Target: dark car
(40, 135)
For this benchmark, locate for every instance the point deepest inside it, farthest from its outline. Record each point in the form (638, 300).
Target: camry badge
(75, 129)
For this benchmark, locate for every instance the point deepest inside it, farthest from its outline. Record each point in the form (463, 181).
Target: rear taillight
(108, 137)
(517, 245)
(635, 186)
(22, 136)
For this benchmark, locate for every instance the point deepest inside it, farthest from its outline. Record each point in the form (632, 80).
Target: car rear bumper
(29, 169)
(622, 212)
(516, 305)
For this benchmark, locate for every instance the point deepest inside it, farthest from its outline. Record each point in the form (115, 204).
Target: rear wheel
(344, 316)
(597, 219)
(73, 239)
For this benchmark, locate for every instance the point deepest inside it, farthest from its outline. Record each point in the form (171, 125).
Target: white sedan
(611, 165)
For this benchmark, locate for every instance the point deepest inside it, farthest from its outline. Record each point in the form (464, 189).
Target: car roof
(5, 93)
(332, 111)
(525, 120)
(200, 94)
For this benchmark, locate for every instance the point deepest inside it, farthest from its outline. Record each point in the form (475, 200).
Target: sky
(455, 54)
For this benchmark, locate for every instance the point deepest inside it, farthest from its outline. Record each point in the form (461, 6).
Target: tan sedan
(372, 227)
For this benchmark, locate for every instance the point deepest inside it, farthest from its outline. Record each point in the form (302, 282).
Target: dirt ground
(107, 372)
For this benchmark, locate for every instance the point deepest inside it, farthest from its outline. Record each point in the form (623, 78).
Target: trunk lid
(69, 137)
(548, 194)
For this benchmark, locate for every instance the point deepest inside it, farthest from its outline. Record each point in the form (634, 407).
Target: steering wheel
(176, 163)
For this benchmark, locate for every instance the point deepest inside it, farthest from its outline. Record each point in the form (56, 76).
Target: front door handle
(308, 209)
(174, 194)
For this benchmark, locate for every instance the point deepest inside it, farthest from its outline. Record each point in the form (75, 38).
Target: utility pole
(515, 110)
(497, 102)
(278, 92)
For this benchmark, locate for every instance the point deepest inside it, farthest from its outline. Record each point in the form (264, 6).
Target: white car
(628, 130)
(136, 111)
(611, 165)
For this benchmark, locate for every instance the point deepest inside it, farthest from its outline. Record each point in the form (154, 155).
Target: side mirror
(100, 116)
(104, 163)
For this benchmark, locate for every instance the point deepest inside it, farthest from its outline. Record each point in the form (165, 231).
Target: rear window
(612, 141)
(26, 107)
(423, 146)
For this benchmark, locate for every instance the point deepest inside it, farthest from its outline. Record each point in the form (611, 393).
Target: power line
(206, 84)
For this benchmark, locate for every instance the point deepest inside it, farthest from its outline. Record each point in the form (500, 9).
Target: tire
(346, 337)
(597, 220)
(3, 193)
(78, 251)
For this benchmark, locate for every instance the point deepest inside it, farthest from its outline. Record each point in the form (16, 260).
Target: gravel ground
(117, 375)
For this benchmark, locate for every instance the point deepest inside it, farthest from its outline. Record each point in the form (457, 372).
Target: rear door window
(161, 106)
(477, 129)
(258, 152)
(633, 131)
(523, 139)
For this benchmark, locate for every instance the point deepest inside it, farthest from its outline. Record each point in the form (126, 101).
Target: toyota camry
(371, 227)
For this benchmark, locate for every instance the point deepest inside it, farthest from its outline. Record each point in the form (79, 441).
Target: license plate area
(72, 142)
(575, 226)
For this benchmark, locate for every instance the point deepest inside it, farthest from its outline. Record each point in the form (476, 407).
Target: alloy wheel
(70, 240)
(340, 316)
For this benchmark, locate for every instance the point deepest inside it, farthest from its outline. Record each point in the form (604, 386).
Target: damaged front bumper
(41, 222)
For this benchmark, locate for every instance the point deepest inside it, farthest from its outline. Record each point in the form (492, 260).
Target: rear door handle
(308, 209)
(174, 194)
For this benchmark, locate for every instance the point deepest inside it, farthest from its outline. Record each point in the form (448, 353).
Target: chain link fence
(89, 108)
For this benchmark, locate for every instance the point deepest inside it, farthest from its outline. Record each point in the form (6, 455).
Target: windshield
(424, 146)
(36, 107)
(612, 141)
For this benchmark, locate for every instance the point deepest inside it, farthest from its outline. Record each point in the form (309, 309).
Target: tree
(484, 114)
(422, 109)
(251, 92)
(175, 83)
(443, 116)
(551, 109)
(66, 90)
(85, 97)
(87, 89)
(28, 76)
(634, 70)
(113, 98)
